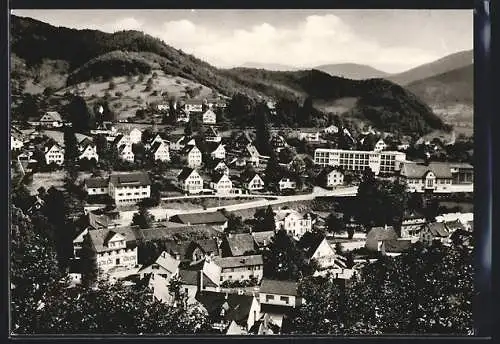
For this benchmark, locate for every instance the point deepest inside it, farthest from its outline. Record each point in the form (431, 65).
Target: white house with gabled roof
(54, 154)
(190, 181)
(222, 184)
(160, 152)
(209, 117)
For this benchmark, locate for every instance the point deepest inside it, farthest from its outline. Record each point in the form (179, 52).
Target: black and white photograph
(247, 172)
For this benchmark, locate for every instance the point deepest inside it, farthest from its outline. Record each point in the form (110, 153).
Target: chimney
(225, 297)
(163, 254)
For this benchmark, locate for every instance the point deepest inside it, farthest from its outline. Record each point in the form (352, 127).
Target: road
(164, 213)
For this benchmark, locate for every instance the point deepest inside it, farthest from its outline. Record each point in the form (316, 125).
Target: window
(117, 261)
(269, 297)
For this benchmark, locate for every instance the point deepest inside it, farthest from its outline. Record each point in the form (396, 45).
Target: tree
(264, 219)
(307, 112)
(263, 130)
(235, 224)
(380, 202)
(428, 290)
(33, 268)
(142, 218)
(188, 131)
(284, 260)
(335, 224)
(79, 114)
(114, 309)
(273, 171)
(111, 85)
(71, 154)
(286, 155)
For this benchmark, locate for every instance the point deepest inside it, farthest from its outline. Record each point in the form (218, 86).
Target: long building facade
(378, 162)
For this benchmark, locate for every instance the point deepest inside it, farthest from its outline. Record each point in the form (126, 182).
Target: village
(204, 209)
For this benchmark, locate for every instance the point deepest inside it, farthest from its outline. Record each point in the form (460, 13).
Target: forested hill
(83, 55)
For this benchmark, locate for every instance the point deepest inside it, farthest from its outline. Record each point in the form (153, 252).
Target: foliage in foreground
(429, 290)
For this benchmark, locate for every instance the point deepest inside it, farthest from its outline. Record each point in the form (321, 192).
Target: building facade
(130, 187)
(378, 162)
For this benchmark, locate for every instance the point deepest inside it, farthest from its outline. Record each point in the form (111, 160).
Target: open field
(46, 179)
(203, 203)
(129, 94)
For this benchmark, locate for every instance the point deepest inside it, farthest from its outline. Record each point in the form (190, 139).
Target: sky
(389, 40)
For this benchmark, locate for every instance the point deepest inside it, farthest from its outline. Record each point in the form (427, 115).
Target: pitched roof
(438, 229)
(200, 218)
(263, 238)
(96, 182)
(248, 176)
(165, 262)
(98, 237)
(454, 225)
(396, 246)
(239, 244)
(206, 245)
(218, 176)
(188, 148)
(279, 287)
(237, 307)
(156, 146)
(418, 170)
(131, 178)
(377, 234)
(194, 102)
(235, 262)
(310, 242)
(185, 173)
(54, 115)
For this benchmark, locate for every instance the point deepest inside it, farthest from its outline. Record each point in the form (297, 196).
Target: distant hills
(352, 71)
(42, 52)
(269, 66)
(443, 65)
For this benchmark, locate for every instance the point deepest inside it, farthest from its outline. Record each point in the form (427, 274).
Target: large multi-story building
(129, 187)
(378, 162)
(240, 268)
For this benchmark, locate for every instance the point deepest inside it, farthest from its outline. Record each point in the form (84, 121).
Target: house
(231, 314)
(113, 250)
(462, 173)
(216, 219)
(160, 274)
(435, 177)
(89, 152)
(51, 119)
(211, 135)
(107, 220)
(129, 187)
(236, 245)
(183, 116)
(395, 247)
(330, 177)
(159, 151)
(209, 117)
(292, 222)
(126, 153)
(377, 235)
(96, 186)
(54, 154)
(121, 140)
(252, 181)
(221, 184)
(105, 128)
(331, 129)
(278, 142)
(279, 293)
(434, 231)
(265, 326)
(16, 142)
(180, 142)
(263, 239)
(252, 155)
(217, 151)
(158, 138)
(190, 181)
(163, 107)
(193, 105)
(201, 249)
(454, 225)
(309, 135)
(192, 155)
(221, 168)
(317, 248)
(380, 145)
(135, 135)
(240, 268)
(286, 183)
(411, 224)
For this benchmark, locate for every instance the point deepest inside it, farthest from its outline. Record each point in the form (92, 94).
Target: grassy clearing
(47, 179)
(128, 96)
